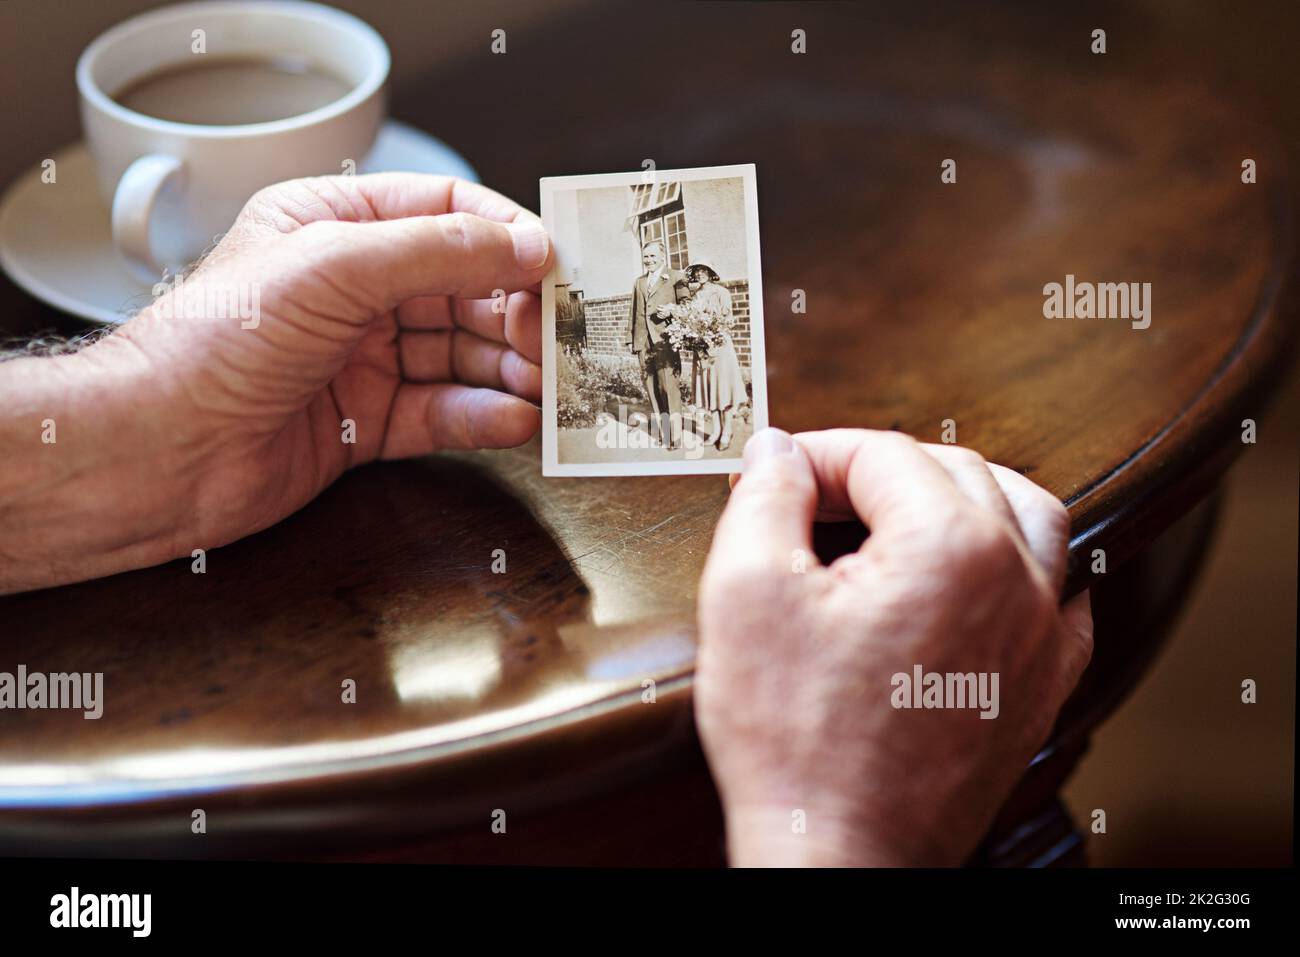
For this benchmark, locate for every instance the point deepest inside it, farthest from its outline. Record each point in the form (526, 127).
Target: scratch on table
(634, 534)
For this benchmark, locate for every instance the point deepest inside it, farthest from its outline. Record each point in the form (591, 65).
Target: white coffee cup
(175, 187)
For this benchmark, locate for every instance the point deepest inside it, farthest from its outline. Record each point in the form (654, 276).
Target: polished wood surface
(479, 690)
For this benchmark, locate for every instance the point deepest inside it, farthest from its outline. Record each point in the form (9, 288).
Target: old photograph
(652, 322)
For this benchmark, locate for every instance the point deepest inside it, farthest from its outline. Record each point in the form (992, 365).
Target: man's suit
(660, 363)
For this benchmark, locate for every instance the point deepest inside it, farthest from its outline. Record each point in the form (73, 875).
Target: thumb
(769, 516)
(454, 254)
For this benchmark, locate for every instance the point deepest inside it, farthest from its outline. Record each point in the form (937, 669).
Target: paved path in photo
(579, 446)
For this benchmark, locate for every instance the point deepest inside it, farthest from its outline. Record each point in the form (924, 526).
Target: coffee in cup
(230, 91)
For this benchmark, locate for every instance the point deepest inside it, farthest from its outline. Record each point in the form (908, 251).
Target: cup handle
(133, 204)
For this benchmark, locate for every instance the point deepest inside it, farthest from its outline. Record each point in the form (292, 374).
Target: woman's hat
(713, 273)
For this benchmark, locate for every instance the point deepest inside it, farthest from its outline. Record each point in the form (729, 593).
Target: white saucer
(55, 240)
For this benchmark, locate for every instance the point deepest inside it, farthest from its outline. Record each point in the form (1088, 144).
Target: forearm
(804, 837)
(86, 489)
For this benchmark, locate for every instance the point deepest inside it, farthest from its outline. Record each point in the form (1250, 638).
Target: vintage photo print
(652, 322)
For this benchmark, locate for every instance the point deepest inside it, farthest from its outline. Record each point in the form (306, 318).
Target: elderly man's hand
(396, 314)
(797, 697)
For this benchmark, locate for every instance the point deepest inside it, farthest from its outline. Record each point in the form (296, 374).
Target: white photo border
(550, 185)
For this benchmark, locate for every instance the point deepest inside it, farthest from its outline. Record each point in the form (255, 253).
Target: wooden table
(524, 691)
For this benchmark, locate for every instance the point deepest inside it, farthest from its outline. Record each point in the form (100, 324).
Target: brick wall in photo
(609, 323)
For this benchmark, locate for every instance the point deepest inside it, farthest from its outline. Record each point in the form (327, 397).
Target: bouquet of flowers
(694, 328)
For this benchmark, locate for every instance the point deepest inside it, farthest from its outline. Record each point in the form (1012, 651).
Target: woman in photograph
(718, 385)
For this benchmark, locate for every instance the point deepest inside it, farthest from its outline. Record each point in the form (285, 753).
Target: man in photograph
(660, 364)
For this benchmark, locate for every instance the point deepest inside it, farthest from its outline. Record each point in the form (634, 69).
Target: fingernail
(531, 243)
(767, 445)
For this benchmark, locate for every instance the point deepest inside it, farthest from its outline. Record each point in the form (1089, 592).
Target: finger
(517, 322)
(476, 361)
(524, 325)
(972, 475)
(383, 264)
(1043, 519)
(519, 325)
(1077, 643)
(884, 478)
(426, 313)
(429, 418)
(461, 357)
(399, 195)
(968, 470)
(768, 518)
